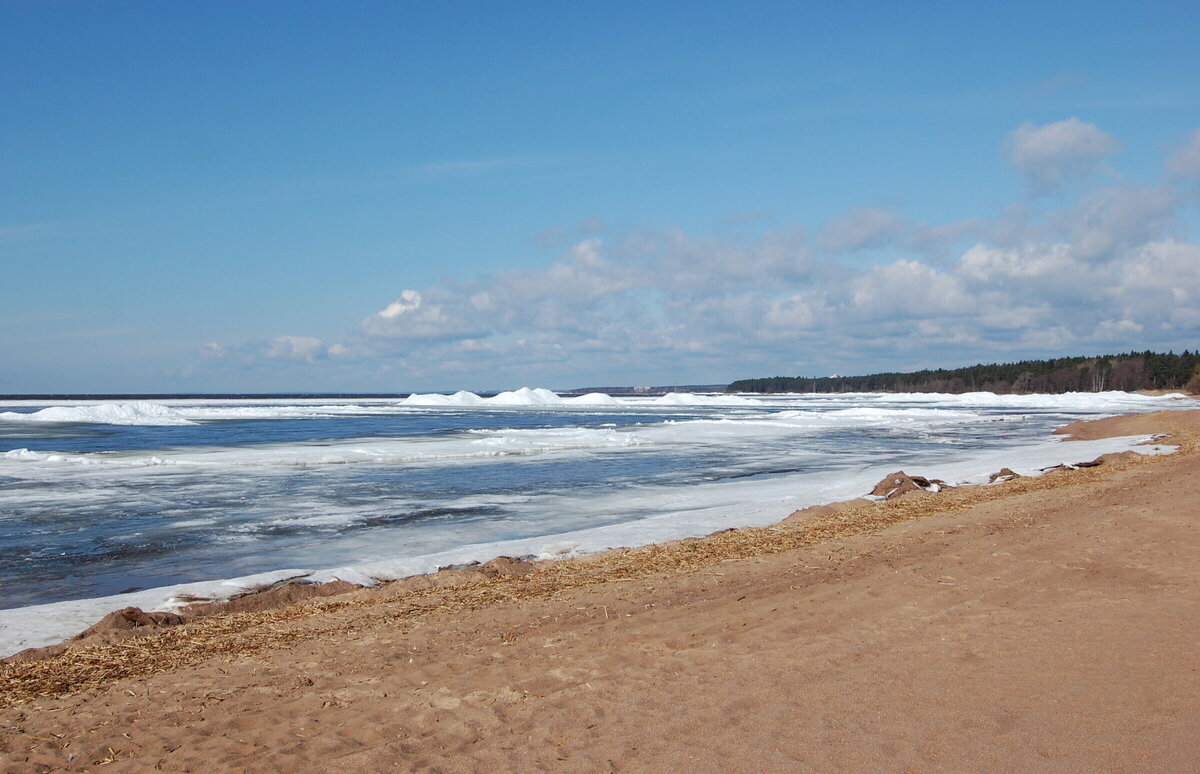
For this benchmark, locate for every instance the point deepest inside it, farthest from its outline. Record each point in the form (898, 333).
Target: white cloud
(213, 350)
(1116, 330)
(787, 316)
(985, 264)
(1160, 279)
(1114, 218)
(1186, 161)
(1053, 153)
(861, 228)
(1053, 339)
(303, 348)
(1106, 267)
(409, 301)
(999, 314)
(907, 289)
(669, 299)
(412, 316)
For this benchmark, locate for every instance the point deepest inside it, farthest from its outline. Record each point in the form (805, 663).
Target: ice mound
(593, 399)
(525, 397)
(692, 399)
(460, 398)
(138, 413)
(541, 397)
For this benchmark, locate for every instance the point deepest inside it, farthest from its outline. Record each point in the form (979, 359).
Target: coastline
(748, 503)
(818, 553)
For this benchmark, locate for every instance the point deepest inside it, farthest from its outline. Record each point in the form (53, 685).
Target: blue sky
(413, 196)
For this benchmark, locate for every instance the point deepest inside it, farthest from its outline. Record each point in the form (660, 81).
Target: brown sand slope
(1183, 423)
(1039, 625)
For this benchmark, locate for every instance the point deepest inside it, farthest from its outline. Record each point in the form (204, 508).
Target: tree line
(1130, 371)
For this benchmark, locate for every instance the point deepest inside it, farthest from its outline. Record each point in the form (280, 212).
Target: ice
(697, 510)
(1091, 401)
(676, 513)
(138, 413)
(539, 397)
(518, 440)
(474, 446)
(891, 414)
(564, 549)
(525, 397)
(185, 412)
(191, 412)
(458, 399)
(692, 399)
(40, 625)
(296, 411)
(727, 461)
(592, 399)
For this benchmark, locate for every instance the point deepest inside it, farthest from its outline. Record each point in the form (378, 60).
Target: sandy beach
(1038, 624)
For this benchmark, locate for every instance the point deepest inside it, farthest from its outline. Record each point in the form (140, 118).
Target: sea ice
(139, 413)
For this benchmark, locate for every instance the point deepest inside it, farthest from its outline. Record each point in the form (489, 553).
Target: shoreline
(1042, 622)
(289, 588)
(73, 619)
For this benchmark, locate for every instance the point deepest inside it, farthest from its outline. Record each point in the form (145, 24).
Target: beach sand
(1042, 624)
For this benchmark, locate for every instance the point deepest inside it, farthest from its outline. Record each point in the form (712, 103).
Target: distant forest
(1131, 371)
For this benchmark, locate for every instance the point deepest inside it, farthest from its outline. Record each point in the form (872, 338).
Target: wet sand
(1045, 624)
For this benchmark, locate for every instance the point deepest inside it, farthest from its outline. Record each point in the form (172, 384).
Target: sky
(396, 196)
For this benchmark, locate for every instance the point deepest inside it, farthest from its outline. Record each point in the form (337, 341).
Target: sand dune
(1043, 624)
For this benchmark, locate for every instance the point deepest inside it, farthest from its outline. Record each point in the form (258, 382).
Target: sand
(1045, 624)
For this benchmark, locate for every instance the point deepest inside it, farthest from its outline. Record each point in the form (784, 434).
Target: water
(192, 490)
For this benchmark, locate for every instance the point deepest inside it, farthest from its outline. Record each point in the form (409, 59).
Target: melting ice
(98, 498)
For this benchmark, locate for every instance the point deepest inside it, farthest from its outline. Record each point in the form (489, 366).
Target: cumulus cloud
(435, 315)
(1052, 154)
(906, 289)
(1037, 262)
(1106, 268)
(1101, 269)
(409, 301)
(1111, 219)
(1160, 284)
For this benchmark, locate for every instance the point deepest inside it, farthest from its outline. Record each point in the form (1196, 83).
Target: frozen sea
(105, 503)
